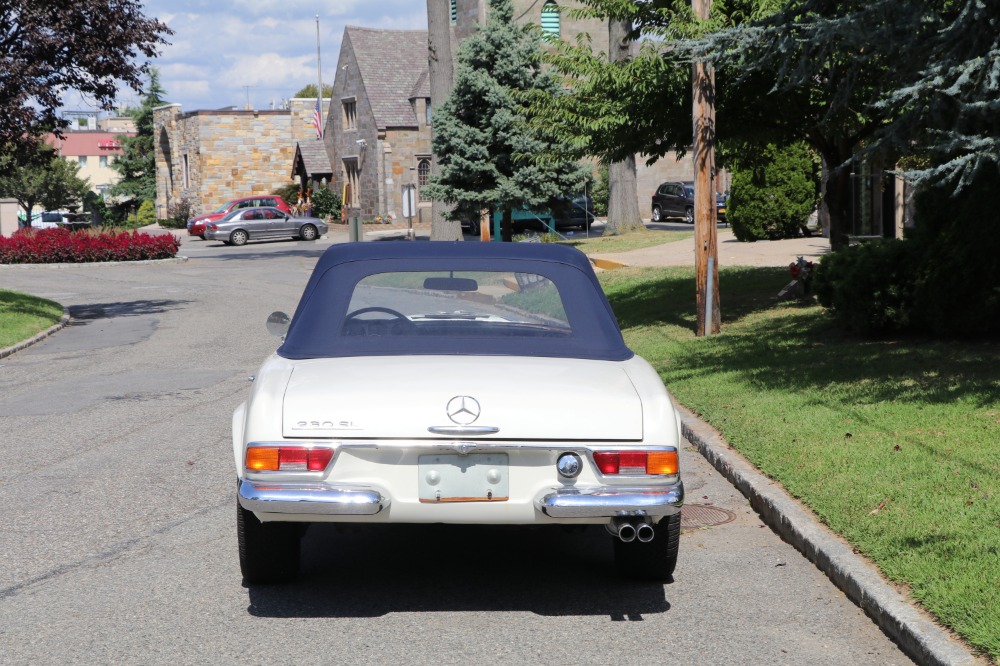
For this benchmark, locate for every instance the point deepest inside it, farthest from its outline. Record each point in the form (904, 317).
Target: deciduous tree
(41, 178)
(48, 48)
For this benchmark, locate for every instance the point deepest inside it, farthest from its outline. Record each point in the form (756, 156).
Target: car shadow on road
(370, 571)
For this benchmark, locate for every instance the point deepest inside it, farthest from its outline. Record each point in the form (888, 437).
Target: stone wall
(210, 157)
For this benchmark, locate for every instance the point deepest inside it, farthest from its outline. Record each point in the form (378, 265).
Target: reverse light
(287, 459)
(632, 463)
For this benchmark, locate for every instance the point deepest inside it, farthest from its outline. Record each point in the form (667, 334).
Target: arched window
(454, 12)
(550, 19)
(423, 176)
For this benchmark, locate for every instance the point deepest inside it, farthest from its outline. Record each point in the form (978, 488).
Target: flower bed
(58, 246)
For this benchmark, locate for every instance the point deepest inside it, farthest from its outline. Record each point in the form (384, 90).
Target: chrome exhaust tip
(644, 532)
(626, 532)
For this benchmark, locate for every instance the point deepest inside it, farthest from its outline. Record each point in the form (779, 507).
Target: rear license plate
(477, 477)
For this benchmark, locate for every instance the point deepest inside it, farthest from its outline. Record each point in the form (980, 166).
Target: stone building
(210, 157)
(378, 123)
(377, 126)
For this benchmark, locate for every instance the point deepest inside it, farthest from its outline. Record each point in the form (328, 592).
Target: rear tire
(269, 552)
(657, 215)
(653, 561)
(238, 237)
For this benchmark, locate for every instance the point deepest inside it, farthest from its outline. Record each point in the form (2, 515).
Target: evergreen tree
(137, 165)
(491, 157)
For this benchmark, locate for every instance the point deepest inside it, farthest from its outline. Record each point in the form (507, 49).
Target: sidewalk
(731, 252)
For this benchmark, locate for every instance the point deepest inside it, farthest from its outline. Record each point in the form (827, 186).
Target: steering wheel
(378, 308)
(397, 317)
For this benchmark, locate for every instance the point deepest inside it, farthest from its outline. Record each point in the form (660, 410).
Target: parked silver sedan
(247, 224)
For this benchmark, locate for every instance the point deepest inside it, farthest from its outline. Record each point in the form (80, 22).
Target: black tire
(238, 237)
(308, 232)
(657, 215)
(269, 552)
(653, 561)
(689, 215)
(202, 236)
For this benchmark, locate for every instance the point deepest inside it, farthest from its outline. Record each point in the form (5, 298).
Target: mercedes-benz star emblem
(463, 409)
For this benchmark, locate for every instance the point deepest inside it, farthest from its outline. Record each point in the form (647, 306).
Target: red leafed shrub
(60, 246)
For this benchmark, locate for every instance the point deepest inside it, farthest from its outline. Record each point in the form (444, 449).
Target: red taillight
(607, 461)
(213, 227)
(287, 459)
(636, 462)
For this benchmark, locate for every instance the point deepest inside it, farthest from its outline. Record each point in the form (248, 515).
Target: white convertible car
(467, 383)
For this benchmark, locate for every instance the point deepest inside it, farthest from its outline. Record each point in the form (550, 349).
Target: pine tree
(491, 157)
(136, 165)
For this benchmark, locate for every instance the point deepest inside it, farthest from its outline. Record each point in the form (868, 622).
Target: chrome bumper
(611, 501)
(311, 499)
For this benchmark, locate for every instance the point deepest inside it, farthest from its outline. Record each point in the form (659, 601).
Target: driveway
(119, 540)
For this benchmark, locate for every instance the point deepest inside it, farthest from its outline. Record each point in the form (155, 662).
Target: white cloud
(223, 52)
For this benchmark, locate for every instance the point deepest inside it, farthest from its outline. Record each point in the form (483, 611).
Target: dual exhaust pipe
(630, 529)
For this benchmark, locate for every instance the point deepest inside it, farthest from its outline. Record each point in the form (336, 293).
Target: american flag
(318, 121)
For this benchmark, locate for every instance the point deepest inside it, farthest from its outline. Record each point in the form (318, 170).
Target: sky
(225, 53)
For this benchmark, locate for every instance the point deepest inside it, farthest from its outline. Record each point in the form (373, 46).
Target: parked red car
(196, 225)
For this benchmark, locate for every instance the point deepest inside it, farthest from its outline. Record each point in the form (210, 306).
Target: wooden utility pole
(706, 254)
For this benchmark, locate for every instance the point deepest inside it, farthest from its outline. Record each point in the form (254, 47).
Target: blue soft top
(316, 329)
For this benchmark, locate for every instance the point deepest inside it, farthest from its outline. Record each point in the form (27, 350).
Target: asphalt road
(119, 541)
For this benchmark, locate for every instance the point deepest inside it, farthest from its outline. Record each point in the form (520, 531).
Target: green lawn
(894, 443)
(22, 316)
(631, 241)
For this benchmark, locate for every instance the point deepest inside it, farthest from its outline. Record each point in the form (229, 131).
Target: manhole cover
(702, 515)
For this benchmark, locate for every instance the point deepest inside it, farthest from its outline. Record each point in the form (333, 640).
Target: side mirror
(277, 324)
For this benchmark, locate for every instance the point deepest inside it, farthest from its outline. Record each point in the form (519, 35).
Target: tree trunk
(623, 202)
(440, 70)
(838, 198)
(623, 197)
(507, 226)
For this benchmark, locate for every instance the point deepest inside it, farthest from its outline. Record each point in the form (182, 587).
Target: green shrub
(178, 213)
(290, 193)
(326, 202)
(774, 191)
(943, 279)
(870, 287)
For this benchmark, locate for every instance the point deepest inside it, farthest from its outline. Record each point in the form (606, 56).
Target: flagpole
(319, 78)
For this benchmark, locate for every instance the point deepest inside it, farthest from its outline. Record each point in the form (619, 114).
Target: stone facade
(210, 157)
(377, 136)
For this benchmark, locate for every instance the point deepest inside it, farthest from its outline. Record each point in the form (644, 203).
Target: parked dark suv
(676, 199)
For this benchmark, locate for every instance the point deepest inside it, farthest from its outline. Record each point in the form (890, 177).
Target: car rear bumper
(568, 503)
(608, 502)
(315, 499)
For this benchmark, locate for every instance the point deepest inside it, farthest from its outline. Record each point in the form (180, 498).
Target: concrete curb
(7, 351)
(97, 264)
(923, 640)
(606, 264)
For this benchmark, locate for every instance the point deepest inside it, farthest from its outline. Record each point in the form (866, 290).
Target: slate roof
(313, 156)
(391, 64)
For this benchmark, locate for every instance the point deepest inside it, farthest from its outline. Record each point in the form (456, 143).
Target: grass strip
(22, 316)
(626, 242)
(895, 443)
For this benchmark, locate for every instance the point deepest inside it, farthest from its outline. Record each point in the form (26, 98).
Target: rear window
(456, 303)
(484, 306)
